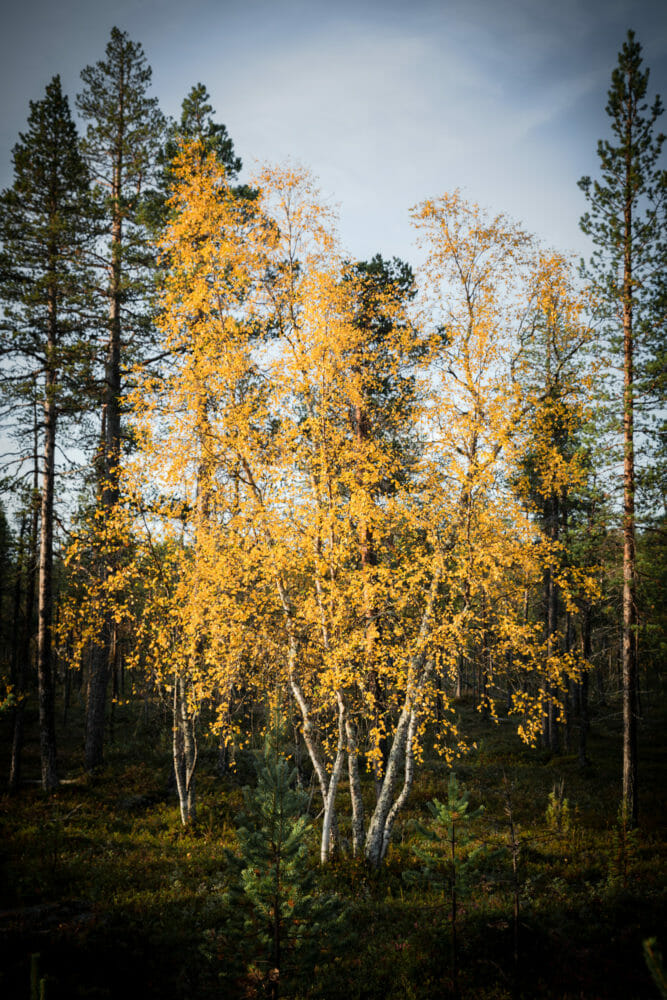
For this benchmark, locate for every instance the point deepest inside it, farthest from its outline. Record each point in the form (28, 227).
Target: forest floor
(116, 899)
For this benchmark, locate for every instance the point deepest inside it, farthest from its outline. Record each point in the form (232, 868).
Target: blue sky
(386, 102)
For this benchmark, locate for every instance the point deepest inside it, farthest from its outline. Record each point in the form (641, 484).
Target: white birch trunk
(355, 787)
(407, 783)
(401, 754)
(376, 828)
(184, 751)
(327, 842)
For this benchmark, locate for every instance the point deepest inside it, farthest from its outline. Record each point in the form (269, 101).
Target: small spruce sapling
(514, 847)
(558, 810)
(447, 864)
(285, 916)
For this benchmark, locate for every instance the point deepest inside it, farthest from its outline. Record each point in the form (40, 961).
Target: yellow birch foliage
(251, 466)
(285, 543)
(253, 447)
(488, 287)
(105, 583)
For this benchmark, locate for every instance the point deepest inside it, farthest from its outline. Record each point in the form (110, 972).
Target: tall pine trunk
(584, 719)
(21, 641)
(101, 661)
(25, 649)
(626, 222)
(47, 728)
(629, 660)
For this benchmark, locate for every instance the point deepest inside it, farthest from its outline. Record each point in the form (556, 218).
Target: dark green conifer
(46, 227)
(287, 918)
(124, 134)
(197, 123)
(627, 222)
(447, 864)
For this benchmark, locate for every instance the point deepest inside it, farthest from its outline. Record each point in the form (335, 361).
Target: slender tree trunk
(515, 852)
(484, 673)
(368, 554)
(571, 692)
(47, 728)
(454, 915)
(67, 693)
(376, 828)
(551, 594)
(458, 690)
(25, 654)
(401, 753)
(184, 749)
(328, 840)
(20, 651)
(101, 664)
(408, 778)
(315, 754)
(355, 788)
(328, 782)
(98, 680)
(113, 671)
(629, 658)
(584, 721)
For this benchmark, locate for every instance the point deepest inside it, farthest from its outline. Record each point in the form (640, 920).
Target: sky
(387, 102)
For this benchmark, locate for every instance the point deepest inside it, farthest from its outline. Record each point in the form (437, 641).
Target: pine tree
(124, 132)
(7, 572)
(287, 918)
(447, 865)
(626, 221)
(196, 123)
(23, 612)
(45, 228)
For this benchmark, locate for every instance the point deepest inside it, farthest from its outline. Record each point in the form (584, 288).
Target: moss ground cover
(102, 882)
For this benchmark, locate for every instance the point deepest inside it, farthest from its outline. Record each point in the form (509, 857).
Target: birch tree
(489, 288)
(252, 454)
